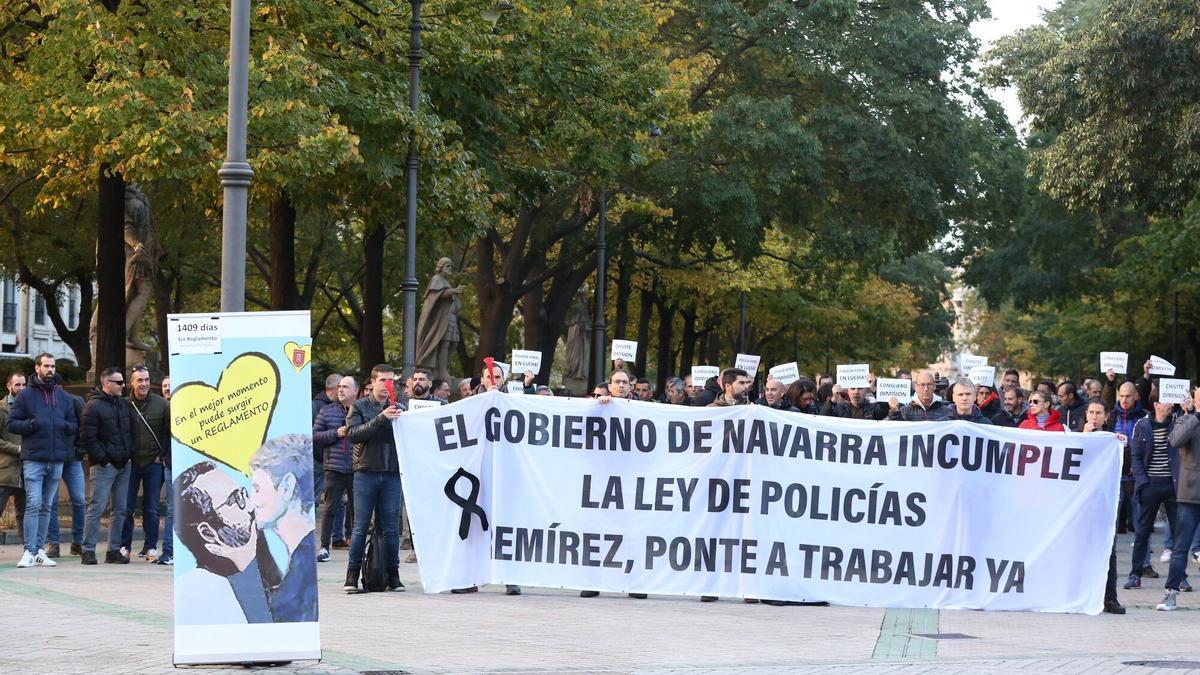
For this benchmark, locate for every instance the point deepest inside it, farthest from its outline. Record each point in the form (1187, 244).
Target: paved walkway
(117, 619)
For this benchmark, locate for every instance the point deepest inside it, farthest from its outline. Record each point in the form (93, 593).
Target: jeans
(1157, 492)
(18, 497)
(1188, 515)
(336, 484)
(168, 534)
(150, 478)
(41, 478)
(72, 475)
(379, 493)
(107, 481)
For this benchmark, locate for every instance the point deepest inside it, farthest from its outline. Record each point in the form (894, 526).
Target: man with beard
(283, 507)
(216, 524)
(855, 407)
(1070, 408)
(735, 383)
(1014, 411)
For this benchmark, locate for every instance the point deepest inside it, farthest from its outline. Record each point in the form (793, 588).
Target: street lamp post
(598, 326)
(235, 172)
(410, 237)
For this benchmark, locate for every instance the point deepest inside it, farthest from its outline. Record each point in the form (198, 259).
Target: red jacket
(1052, 422)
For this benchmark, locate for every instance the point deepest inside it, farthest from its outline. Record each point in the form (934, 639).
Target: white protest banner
(854, 375)
(526, 359)
(1118, 362)
(626, 350)
(967, 361)
(700, 374)
(1174, 391)
(887, 388)
(239, 417)
(984, 376)
(515, 387)
(747, 501)
(748, 363)
(1161, 366)
(785, 373)
(415, 404)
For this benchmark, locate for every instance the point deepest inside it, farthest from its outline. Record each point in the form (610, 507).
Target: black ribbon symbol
(470, 505)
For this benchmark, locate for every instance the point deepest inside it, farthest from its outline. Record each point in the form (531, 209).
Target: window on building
(72, 310)
(10, 307)
(39, 310)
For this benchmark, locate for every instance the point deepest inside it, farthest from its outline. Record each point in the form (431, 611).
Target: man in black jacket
(377, 488)
(107, 434)
(1014, 411)
(1071, 410)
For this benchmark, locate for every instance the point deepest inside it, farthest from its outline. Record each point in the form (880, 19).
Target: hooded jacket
(107, 430)
(1053, 422)
(44, 417)
(1073, 416)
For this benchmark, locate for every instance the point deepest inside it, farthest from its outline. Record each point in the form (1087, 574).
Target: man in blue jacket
(330, 441)
(1155, 472)
(44, 417)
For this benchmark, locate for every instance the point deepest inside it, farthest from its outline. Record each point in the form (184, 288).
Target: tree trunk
(370, 340)
(687, 352)
(666, 354)
(533, 315)
(554, 312)
(281, 221)
(644, 314)
(110, 272)
(624, 289)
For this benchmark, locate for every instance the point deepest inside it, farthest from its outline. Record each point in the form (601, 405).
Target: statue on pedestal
(142, 254)
(578, 342)
(437, 331)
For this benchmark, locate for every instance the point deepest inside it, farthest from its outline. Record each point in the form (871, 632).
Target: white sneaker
(152, 555)
(42, 561)
(1168, 603)
(27, 560)
(1166, 555)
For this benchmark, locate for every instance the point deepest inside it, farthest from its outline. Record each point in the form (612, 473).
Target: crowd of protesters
(47, 436)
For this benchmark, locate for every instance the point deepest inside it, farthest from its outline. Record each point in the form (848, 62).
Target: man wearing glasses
(44, 417)
(924, 406)
(107, 434)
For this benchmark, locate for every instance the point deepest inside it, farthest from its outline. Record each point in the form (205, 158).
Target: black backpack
(374, 570)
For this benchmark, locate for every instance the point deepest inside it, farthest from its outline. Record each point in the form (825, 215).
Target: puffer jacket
(44, 417)
(10, 451)
(1053, 422)
(107, 429)
(337, 454)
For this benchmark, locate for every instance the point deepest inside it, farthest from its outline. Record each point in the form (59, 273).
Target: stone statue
(578, 343)
(437, 332)
(142, 254)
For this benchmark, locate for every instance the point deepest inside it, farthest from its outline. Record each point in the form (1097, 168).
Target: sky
(1009, 16)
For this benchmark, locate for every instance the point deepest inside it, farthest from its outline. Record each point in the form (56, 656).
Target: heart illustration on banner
(298, 356)
(230, 421)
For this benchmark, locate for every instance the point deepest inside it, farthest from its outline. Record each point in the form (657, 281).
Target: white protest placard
(968, 361)
(854, 375)
(515, 387)
(194, 334)
(626, 350)
(1173, 391)
(1118, 362)
(748, 363)
(701, 374)
(785, 373)
(963, 534)
(422, 404)
(526, 359)
(887, 388)
(984, 376)
(1161, 366)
